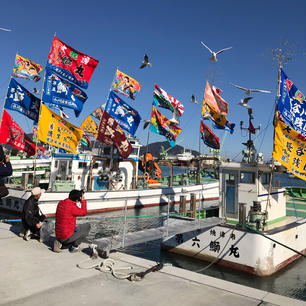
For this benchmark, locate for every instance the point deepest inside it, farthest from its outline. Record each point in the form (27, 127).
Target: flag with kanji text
(58, 132)
(220, 121)
(162, 99)
(290, 148)
(212, 96)
(58, 91)
(126, 116)
(209, 138)
(292, 105)
(71, 64)
(11, 133)
(162, 126)
(90, 125)
(21, 100)
(111, 133)
(26, 69)
(125, 85)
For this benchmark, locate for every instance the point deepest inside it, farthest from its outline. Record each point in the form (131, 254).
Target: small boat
(111, 183)
(185, 156)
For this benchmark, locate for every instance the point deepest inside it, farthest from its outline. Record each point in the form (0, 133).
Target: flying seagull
(7, 30)
(36, 91)
(214, 54)
(146, 123)
(145, 62)
(175, 117)
(193, 99)
(248, 91)
(244, 102)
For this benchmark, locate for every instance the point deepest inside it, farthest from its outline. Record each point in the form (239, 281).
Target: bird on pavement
(248, 91)
(145, 62)
(214, 54)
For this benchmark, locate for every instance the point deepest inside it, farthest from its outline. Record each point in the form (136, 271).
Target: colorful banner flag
(212, 96)
(21, 100)
(111, 133)
(85, 140)
(97, 113)
(209, 138)
(71, 64)
(60, 92)
(126, 116)
(292, 105)
(290, 149)
(126, 85)
(90, 126)
(26, 69)
(164, 100)
(219, 120)
(58, 132)
(162, 126)
(12, 134)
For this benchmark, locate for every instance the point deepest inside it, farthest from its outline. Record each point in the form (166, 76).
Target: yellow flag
(58, 132)
(90, 126)
(290, 149)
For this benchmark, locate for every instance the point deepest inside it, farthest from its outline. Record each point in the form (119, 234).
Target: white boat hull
(243, 250)
(105, 201)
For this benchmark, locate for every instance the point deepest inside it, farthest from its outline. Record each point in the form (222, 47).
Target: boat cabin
(244, 195)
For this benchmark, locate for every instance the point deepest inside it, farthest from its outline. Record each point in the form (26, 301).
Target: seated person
(67, 234)
(31, 216)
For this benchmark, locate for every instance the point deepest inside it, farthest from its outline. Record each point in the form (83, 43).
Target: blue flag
(292, 105)
(61, 92)
(21, 100)
(127, 117)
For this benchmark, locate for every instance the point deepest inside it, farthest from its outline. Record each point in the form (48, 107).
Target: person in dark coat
(32, 218)
(5, 171)
(67, 234)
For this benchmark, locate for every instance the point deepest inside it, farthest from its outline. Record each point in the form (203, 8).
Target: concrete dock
(31, 274)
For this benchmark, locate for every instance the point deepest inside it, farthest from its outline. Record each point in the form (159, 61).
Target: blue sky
(118, 33)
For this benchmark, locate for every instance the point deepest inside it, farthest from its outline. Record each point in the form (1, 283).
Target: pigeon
(214, 54)
(36, 91)
(145, 62)
(193, 99)
(174, 119)
(7, 30)
(248, 91)
(244, 102)
(146, 123)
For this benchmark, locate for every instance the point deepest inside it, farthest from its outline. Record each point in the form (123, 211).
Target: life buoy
(146, 176)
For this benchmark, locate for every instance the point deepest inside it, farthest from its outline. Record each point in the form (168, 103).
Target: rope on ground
(109, 265)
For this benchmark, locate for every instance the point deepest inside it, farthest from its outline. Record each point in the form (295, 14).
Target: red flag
(209, 138)
(12, 134)
(251, 127)
(71, 64)
(111, 133)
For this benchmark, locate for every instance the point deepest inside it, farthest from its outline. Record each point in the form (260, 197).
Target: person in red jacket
(67, 234)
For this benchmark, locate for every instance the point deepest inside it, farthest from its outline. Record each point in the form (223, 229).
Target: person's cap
(37, 190)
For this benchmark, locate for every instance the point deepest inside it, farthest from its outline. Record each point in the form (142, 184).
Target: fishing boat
(265, 230)
(111, 183)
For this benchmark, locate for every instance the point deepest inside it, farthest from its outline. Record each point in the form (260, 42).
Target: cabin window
(56, 164)
(265, 178)
(107, 150)
(96, 165)
(230, 178)
(247, 177)
(82, 165)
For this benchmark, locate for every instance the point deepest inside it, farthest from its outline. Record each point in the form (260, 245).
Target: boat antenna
(249, 155)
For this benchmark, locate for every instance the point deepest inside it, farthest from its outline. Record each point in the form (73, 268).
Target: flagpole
(92, 151)
(272, 162)
(36, 138)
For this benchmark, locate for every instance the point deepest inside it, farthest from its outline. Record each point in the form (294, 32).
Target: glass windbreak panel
(265, 178)
(247, 177)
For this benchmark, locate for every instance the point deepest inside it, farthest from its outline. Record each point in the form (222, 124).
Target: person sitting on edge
(5, 171)
(31, 216)
(67, 234)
